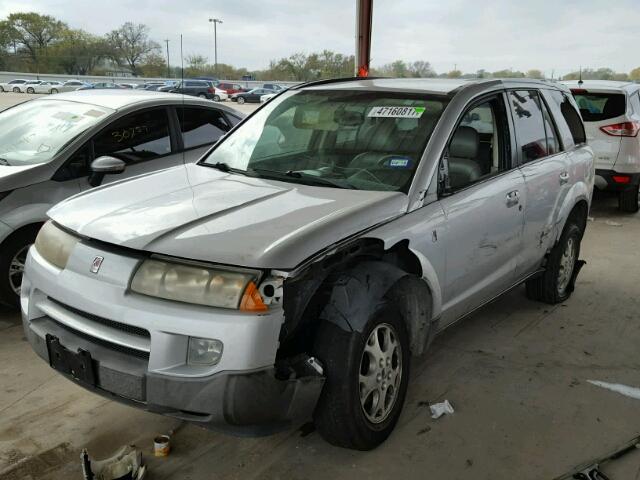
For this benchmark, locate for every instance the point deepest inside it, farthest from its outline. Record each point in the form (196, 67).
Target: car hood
(201, 213)
(12, 177)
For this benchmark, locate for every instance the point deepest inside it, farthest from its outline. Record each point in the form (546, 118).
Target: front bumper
(139, 347)
(605, 181)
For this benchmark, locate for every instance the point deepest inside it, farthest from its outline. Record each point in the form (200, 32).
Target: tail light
(211, 90)
(621, 179)
(625, 129)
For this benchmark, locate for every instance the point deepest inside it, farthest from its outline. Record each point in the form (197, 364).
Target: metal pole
(364, 18)
(168, 64)
(215, 47)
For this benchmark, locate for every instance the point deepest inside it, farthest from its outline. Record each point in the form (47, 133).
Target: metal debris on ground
(125, 464)
(162, 446)
(592, 469)
(439, 409)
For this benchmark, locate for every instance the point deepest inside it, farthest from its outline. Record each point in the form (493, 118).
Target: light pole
(168, 65)
(215, 22)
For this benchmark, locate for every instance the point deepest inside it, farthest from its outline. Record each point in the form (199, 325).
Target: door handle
(564, 178)
(513, 198)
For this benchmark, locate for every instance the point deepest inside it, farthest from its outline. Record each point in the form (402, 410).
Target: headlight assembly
(201, 285)
(55, 245)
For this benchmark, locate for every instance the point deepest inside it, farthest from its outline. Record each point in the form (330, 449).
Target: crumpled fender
(578, 192)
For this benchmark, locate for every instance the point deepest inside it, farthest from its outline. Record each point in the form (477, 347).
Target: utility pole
(215, 22)
(364, 18)
(168, 65)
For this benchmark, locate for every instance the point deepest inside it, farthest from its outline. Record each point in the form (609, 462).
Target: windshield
(346, 139)
(34, 132)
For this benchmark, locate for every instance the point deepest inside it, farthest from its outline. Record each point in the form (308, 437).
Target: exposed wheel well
(580, 213)
(306, 295)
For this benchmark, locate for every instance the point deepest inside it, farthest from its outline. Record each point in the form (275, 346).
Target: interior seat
(463, 153)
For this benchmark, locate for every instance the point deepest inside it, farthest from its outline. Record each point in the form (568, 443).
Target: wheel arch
(397, 272)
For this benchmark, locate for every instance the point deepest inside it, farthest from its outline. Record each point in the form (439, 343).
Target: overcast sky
(472, 34)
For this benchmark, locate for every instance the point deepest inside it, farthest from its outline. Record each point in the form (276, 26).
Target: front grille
(103, 343)
(123, 327)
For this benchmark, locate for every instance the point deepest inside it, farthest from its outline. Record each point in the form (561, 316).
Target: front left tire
(241, 100)
(30, 90)
(366, 378)
(13, 254)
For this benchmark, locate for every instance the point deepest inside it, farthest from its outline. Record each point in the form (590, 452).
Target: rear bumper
(605, 181)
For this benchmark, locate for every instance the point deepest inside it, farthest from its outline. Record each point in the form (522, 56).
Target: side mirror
(102, 166)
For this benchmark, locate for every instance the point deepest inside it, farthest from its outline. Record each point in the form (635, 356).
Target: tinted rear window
(595, 107)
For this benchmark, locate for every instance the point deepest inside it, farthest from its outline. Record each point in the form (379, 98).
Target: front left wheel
(241, 100)
(13, 255)
(366, 379)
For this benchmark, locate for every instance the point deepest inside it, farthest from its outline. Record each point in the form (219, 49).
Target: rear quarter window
(596, 107)
(567, 118)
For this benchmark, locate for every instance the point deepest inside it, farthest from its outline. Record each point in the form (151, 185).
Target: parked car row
(230, 292)
(216, 91)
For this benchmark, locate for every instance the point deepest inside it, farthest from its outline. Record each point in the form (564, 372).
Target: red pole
(364, 14)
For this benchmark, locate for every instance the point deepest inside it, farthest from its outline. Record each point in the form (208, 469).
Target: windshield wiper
(225, 167)
(305, 177)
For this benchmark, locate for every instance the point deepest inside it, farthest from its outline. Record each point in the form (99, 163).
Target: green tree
(130, 44)
(635, 74)
(32, 33)
(535, 73)
(454, 74)
(154, 65)
(78, 52)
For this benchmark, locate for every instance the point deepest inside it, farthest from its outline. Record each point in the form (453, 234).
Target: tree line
(30, 42)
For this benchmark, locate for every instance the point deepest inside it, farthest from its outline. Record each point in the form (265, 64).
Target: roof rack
(331, 80)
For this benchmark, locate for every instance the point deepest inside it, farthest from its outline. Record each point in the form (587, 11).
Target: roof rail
(331, 80)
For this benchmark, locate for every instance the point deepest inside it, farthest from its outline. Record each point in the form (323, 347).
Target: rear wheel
(367, 376)
(216, 98)
(555, 284)
(241, 100)
(16, 90)
(628, 200)
(53, 90)
(30, 90)
(13, 254)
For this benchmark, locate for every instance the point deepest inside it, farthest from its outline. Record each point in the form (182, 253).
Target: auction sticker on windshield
(396, 112)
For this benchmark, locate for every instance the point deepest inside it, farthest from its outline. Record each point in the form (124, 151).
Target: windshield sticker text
(396, 112)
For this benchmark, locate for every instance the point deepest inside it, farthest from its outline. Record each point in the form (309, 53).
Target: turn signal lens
(252, 300)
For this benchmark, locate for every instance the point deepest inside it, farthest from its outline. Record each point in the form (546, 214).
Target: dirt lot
(516, 373)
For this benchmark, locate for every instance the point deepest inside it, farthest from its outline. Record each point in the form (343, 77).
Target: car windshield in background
(345, 139)
(596, 107)
(34, 132)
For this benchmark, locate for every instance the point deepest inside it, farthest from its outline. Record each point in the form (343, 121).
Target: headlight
(55, 245)
(215, 287)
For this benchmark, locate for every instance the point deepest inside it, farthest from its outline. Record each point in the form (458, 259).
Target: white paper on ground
(625, 390)
(439, 409)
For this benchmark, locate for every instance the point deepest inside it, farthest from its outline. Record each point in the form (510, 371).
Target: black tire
(16, 90)
(31, 90)
(53, 90)
(628, 200)
(340, 416)
(549, 287)
(216, 98)
(15, 244)
(2, 89)
(241, 100)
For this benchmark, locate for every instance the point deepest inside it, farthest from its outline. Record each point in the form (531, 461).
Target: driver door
(142, 140)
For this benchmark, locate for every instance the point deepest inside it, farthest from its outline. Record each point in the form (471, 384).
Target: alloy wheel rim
(16, 269)
(567, 264)
(380, 373)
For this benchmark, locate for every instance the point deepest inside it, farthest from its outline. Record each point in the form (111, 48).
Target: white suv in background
(611, 114)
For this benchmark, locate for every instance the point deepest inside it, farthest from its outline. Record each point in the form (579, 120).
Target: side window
(553, 142)
(529, 124)
(136, 137)
(635, 103)
(570, 115)
(201, 126)
(77, 166)
(479, 146)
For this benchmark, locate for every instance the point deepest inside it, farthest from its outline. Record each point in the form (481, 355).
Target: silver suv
(294, 271)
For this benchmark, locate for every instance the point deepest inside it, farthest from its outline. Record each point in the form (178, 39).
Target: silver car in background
(13, 85)
(54, 147)
(294, 271)
(47, 86)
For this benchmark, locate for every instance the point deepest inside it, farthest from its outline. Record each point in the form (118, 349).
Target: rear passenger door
(544, 165)
(483, 208)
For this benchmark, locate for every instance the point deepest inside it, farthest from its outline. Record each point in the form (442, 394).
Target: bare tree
(130, 44)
